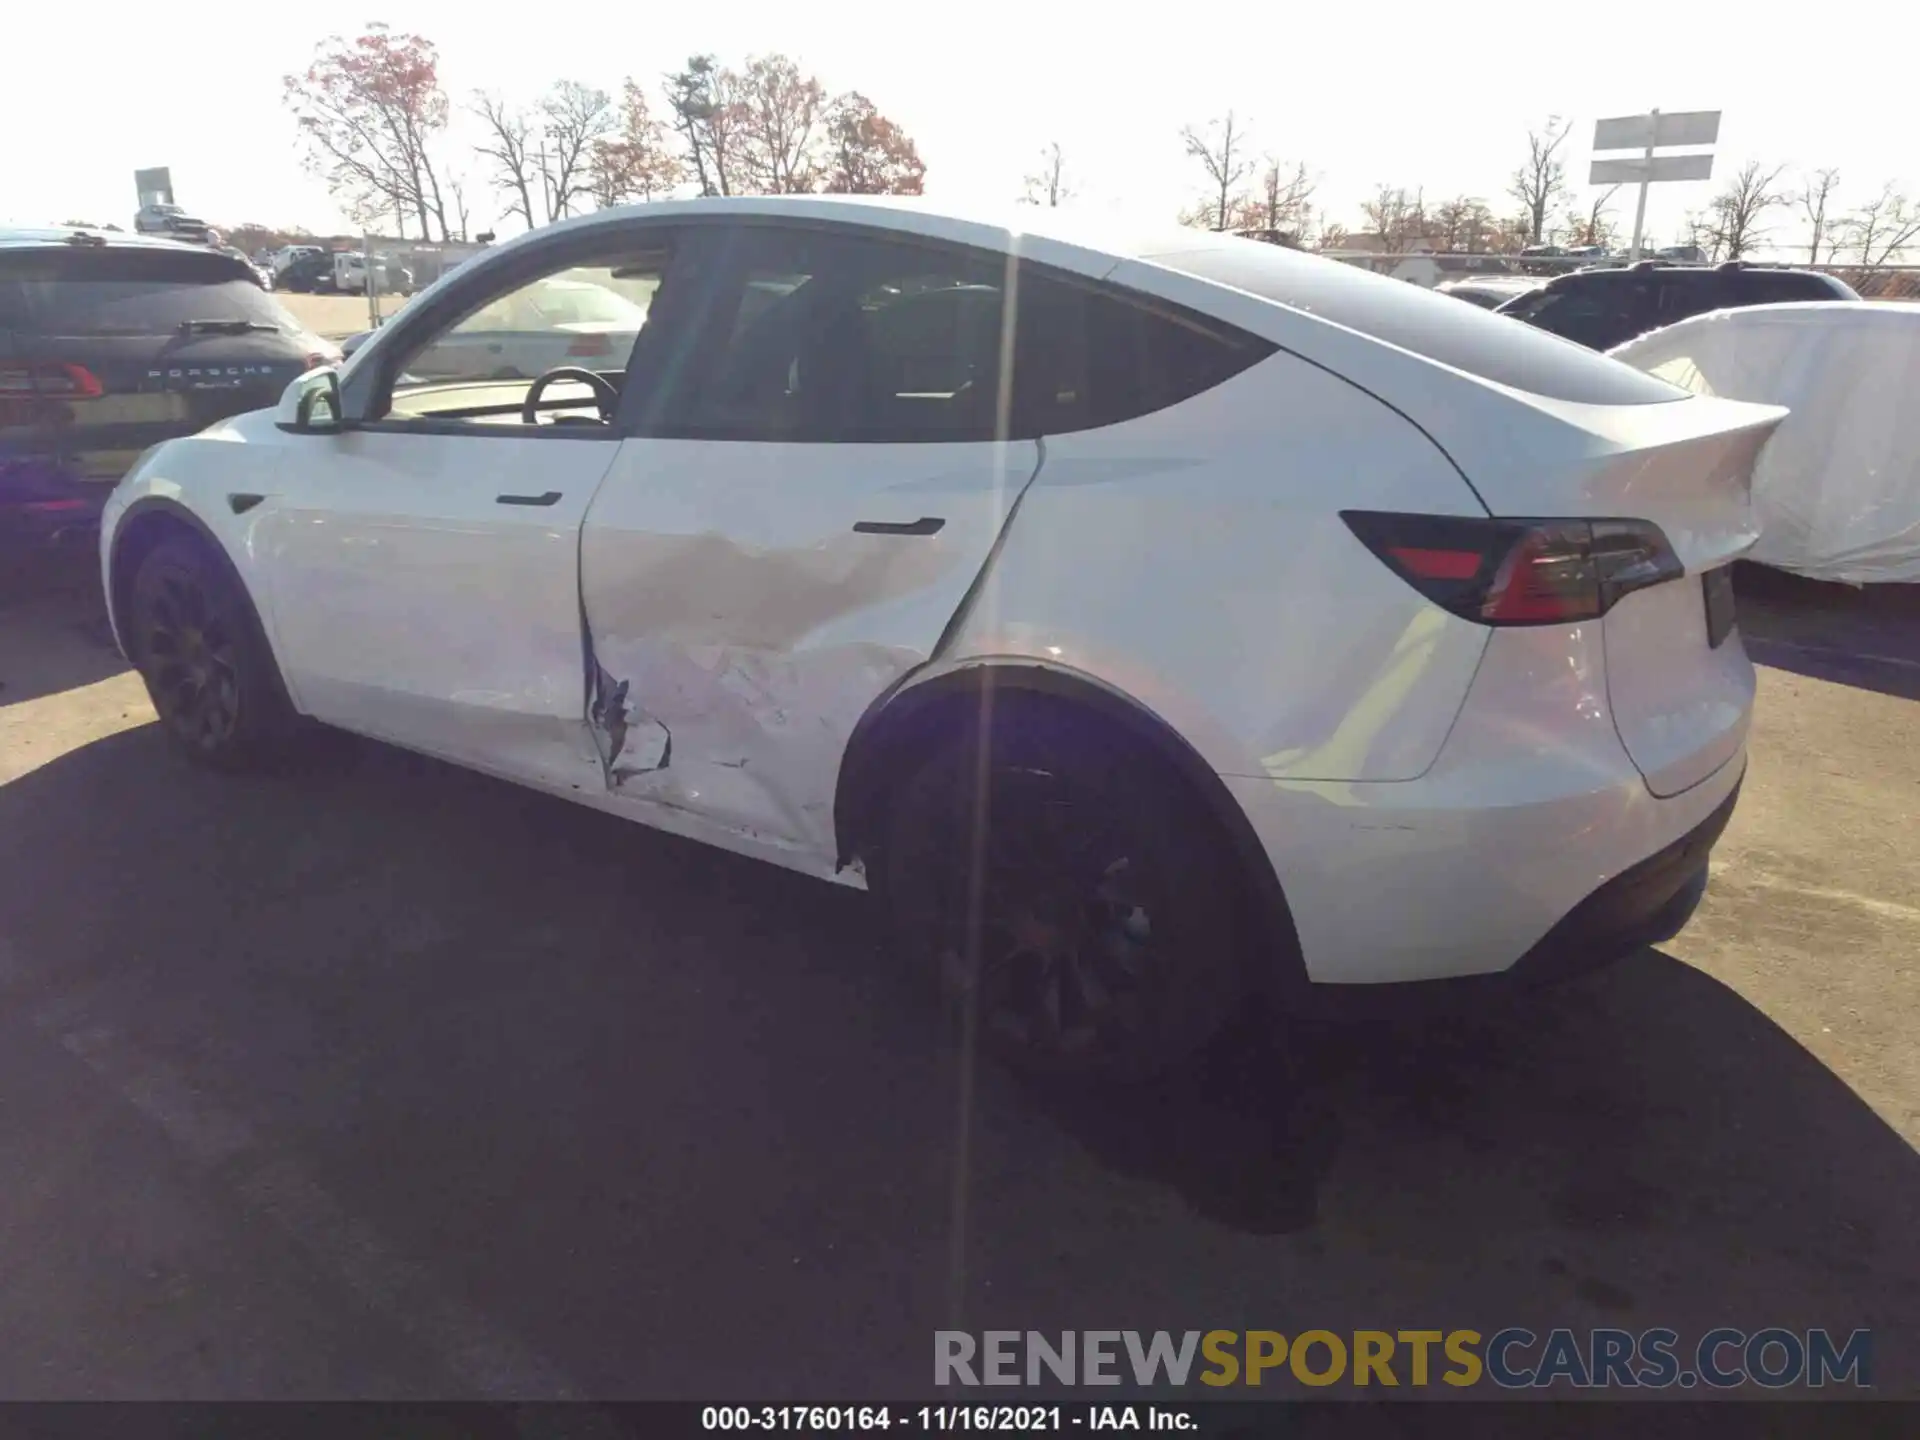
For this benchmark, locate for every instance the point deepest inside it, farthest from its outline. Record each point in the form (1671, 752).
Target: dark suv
(109, 345)
(1604, 308)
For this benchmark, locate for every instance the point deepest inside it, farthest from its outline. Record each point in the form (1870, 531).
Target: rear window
(129, 292)
(1423, 321)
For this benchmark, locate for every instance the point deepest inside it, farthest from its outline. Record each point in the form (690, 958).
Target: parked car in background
(1490, 291)
(1607, 307)
(350, 274)
(287, 254)
(1151, 622)
(311, 273)
(260, 272)
(1837, 490)
(564, 319)
(170, 221)
(110, 345)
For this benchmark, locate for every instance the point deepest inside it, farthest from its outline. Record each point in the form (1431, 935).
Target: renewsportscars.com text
(1513, 1358)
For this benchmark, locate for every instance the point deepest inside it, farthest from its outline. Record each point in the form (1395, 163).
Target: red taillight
(49, 380)
(1518, 572)
(1438, 564)
(590, 345)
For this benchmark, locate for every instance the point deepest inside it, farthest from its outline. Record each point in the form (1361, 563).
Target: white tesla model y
(1152, 621)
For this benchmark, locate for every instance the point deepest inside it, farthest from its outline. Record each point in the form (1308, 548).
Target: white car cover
(1837, 489)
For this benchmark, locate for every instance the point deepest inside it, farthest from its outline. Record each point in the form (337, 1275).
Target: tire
(1106, 942)
(196, 641)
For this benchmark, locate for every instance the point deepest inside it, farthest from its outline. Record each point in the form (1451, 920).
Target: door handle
(925, 525)
(552, 497)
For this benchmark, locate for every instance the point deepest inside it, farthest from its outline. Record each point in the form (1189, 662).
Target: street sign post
(1648, 133)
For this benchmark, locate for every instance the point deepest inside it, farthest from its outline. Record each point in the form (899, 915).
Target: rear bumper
(1646, 904)
(42, 507)
(1532, 843)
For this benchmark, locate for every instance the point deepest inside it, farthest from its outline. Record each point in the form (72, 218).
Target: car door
(423, 563)
(799, 522)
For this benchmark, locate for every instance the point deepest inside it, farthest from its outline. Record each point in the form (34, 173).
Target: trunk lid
(1679, 683)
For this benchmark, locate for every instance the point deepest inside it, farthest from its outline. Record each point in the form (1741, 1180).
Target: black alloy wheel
(193, 636)
(1069, 897)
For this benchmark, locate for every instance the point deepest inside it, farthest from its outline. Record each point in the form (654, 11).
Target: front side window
(497, 362)
(810, 335)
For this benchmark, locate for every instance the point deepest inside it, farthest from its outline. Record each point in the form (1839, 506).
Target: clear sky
(1366, 94)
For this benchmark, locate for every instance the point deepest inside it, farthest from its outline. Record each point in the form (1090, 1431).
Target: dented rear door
(747, 602)
(812, 494)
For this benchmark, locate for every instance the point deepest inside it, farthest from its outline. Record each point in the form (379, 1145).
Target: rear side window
(1761, 288)
(127, 292)
(1684, 295)
(1086, 357)
(1427, 323)
(1595, 316)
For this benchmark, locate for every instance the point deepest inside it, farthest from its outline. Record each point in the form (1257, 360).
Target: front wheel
(1070, 895)
(194, 638)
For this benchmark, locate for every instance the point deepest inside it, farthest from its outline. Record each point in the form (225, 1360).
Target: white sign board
(1637, 132)
(154, 187)
(1632, 170)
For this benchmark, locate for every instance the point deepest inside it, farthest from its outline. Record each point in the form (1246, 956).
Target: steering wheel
(605, 398)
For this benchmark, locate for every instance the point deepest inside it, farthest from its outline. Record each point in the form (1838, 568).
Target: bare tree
(1593, 226)
(369, 110)
(1220, 147)
(574, 118)
(1463, 223)
(868, 154)
(1697, 233)
(635, 163)
(1048, 185)
(1542, 177)
(457, 188)
(781, 125)
(510, 147)
(1284, 203)
(1812, 198)
(707, 116)
(1879, 231)
(1738, 209)
(1398, 218)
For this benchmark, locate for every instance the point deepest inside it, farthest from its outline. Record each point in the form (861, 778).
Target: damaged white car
(1154, 621)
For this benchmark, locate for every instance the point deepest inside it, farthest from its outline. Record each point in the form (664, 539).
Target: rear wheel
(193, 635)
(1068, 893)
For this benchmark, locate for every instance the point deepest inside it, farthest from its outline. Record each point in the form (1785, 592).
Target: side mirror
(311, 404)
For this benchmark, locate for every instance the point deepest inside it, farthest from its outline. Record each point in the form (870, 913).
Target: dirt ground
(380, 1078)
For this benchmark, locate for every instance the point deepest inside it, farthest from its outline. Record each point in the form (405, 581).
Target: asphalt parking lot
(383, 1079)
(336, 316)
